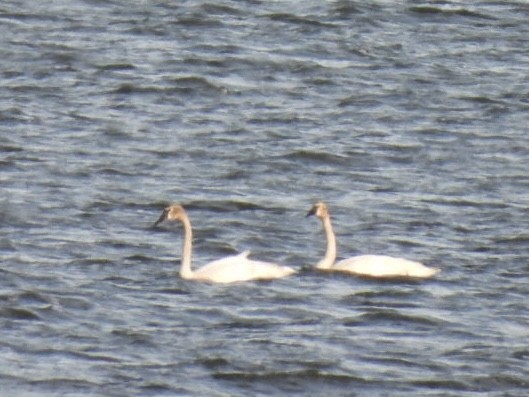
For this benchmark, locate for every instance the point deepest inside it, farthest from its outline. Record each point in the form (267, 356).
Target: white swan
(226, 270)
(365, 265)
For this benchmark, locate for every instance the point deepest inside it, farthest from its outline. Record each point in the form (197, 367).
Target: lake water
(408, 118)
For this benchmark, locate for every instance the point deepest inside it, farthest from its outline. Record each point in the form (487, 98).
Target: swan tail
(435, 270)
(288, 270)
(244, 254)
(425, 272)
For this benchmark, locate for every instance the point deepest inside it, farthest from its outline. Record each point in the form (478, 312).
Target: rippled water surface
(408, 118)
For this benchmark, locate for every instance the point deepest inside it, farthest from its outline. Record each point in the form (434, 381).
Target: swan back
(384, 266)
(240, 268)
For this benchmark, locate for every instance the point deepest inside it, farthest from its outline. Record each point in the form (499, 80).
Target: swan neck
(185, 268)
(330, 253)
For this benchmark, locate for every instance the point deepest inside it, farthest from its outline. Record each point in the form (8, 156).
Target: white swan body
(366, 265)
(384, 266)
(226, 270)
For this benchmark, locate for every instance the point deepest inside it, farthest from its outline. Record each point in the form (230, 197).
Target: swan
(365, 265)
(226, 270)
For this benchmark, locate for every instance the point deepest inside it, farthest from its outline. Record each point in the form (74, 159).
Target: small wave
(134, 337)
(521, 354)
(77, 303)
(247, 323)
(96, 357)
(115, 66)
(225, 205)
(9, 148)
(480, 99)
(500, 382)
(7, 165)
(199, 20)
(14, 313)
(194, 83)
(312, 375)
(519, 239)
(213, 362)
(91, 262)
(393, 317)
(151, 388)
(401, 362)
(441, 384)
(459, 12)
(177, 86)
(312, 157)
(55, 384)
(11, 116)
(218, 9)
(467, 202)
(298, 20)
(114, 172)
(32, 297)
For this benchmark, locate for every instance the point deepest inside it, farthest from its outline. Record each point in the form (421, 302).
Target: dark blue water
(408, 118)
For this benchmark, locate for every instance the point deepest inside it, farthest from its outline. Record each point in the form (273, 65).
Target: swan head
(320, 210)
(175, 212)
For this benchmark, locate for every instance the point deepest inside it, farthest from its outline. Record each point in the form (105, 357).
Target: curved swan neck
(330, 254)
(185, 268)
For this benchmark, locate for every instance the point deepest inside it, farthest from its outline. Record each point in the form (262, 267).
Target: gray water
(408, 118)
